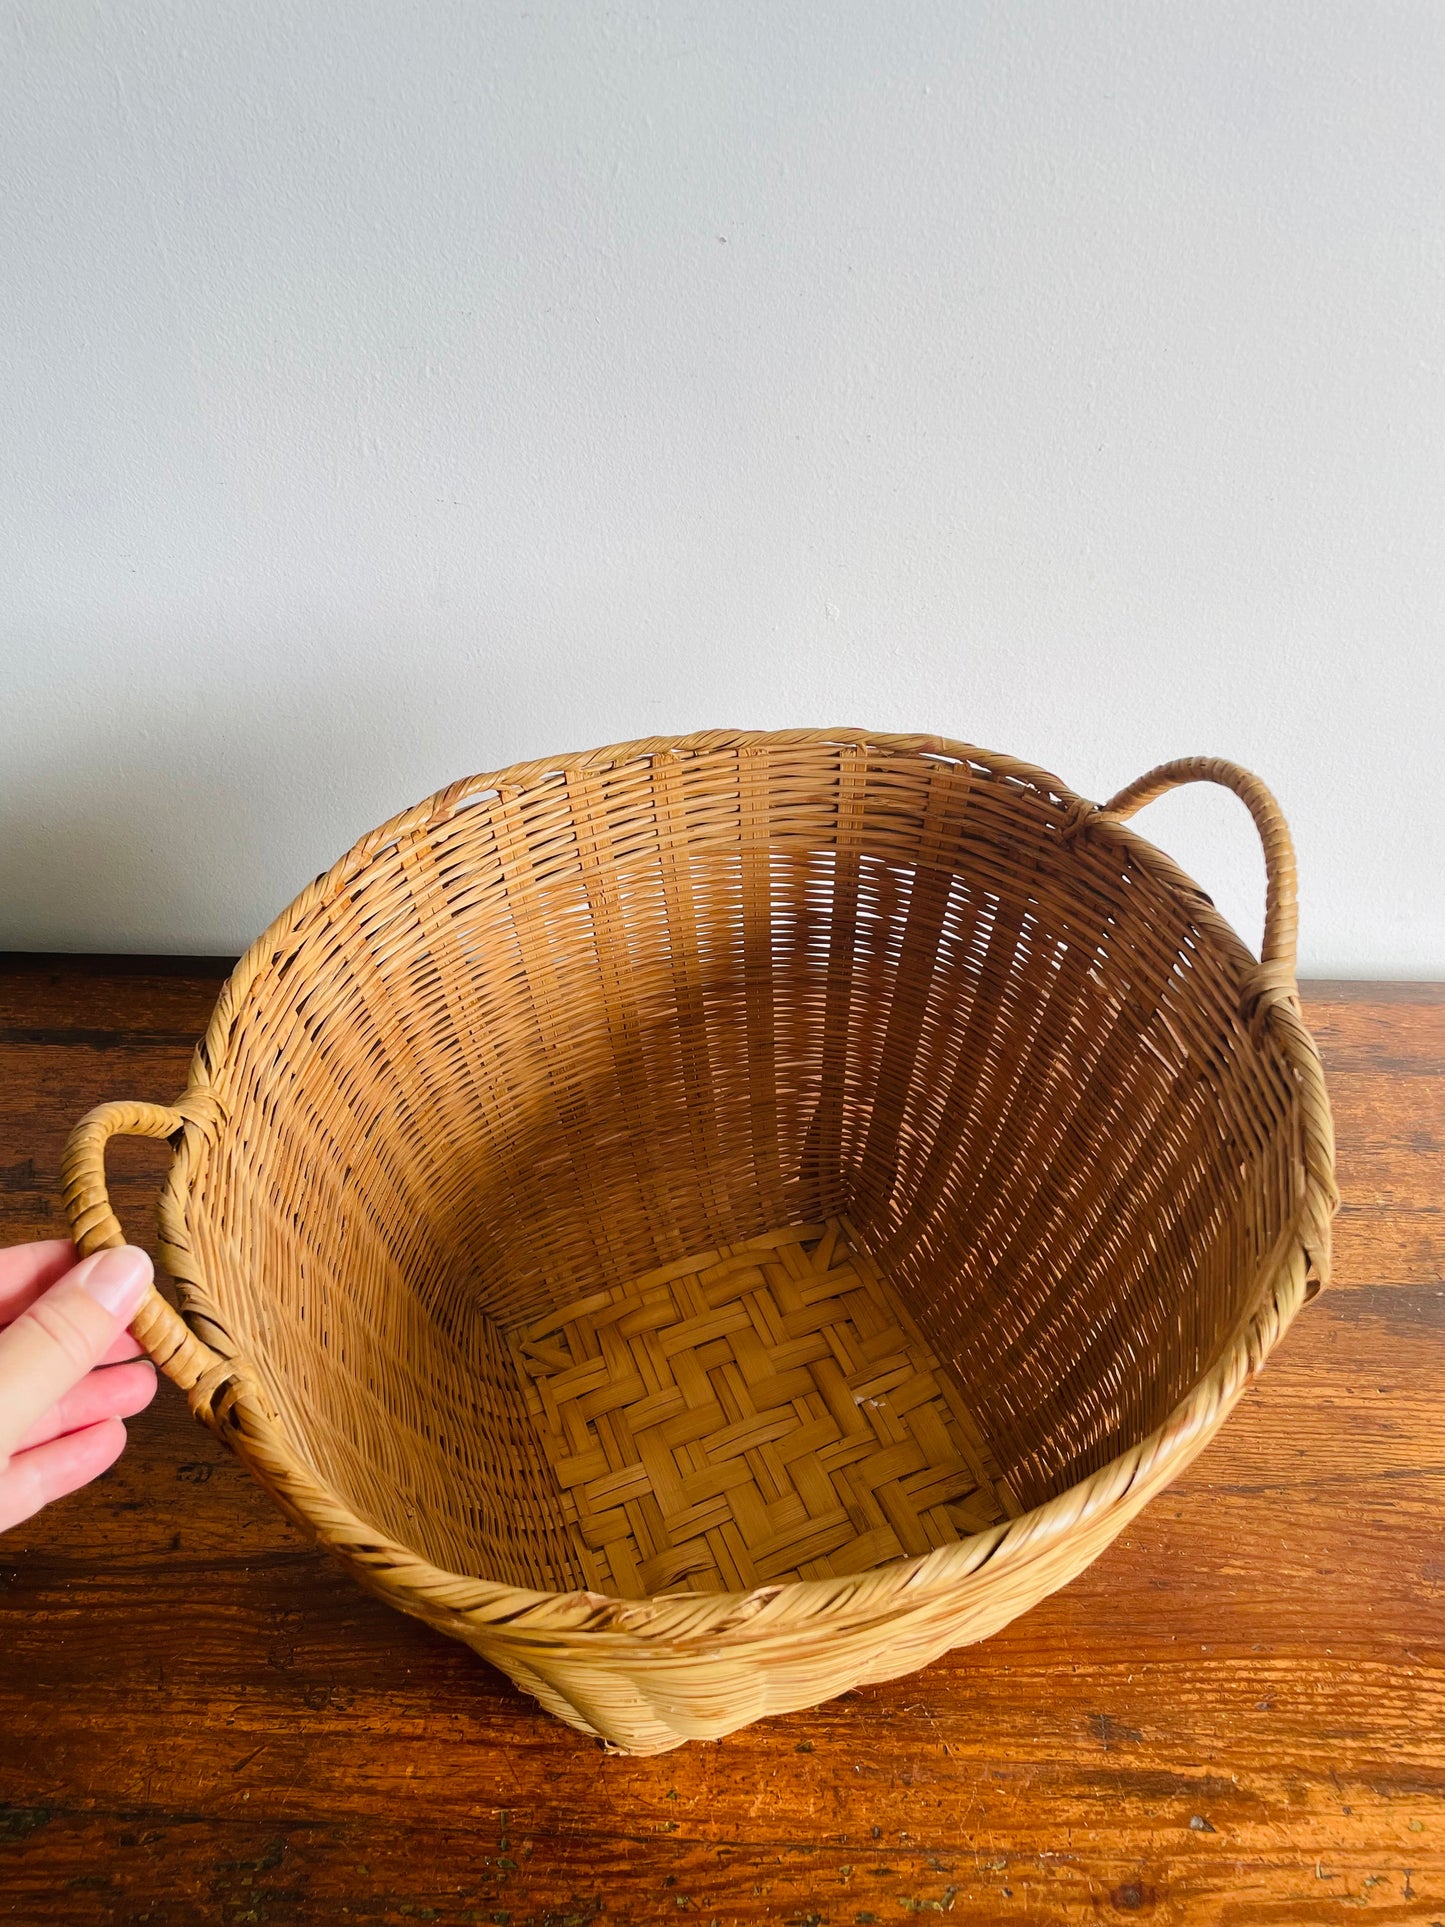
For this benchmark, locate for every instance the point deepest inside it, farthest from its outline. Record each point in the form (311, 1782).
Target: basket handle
(95, 1227)
(1275, 979)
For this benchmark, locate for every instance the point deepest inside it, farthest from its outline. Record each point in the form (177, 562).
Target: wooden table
(1236, 1715)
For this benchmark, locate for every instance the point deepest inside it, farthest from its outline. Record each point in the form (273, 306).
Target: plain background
(398, 391)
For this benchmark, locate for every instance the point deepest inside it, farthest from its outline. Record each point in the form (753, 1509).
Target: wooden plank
(1236, 1715)
(1384, 1053)
(1354, 990)
(45, 990)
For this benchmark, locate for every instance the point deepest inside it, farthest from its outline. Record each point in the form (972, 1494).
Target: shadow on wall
(164, 815)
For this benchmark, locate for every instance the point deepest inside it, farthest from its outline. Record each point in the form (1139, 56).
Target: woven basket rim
(230, 1400)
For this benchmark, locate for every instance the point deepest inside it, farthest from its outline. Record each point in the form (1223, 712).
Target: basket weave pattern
(764, 1412)
(717, 1219)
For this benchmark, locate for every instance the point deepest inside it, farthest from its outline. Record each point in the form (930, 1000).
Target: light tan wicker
(722, 1218)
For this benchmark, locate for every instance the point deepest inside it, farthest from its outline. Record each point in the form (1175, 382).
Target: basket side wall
(585, 1027)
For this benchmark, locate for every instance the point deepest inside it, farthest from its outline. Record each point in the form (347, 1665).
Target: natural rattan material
(523, 1081)
(757, 1413)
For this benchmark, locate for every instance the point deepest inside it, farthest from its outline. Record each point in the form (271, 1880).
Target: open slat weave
(716, 1219)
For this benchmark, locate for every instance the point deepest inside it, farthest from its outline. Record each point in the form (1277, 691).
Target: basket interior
(764, 1411)
(511, 1111)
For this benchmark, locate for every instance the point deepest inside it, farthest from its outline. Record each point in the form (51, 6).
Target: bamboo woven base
(761, 1412)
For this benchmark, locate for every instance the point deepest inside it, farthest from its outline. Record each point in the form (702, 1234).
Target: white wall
(397, 391)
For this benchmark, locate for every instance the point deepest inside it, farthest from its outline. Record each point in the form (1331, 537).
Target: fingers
(58, 1338)
(119, 1392)
(45, 1264)
(59, 1417)
(121, 1349)
(32, 1479)
(27, 1270)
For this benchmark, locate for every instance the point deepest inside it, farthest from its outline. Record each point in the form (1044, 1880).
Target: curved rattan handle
(94, 1227)
(1281, 904)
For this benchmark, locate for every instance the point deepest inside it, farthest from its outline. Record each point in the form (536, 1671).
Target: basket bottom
(760, 1412)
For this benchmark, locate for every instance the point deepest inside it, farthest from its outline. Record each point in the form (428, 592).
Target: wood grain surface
(1237, 1715)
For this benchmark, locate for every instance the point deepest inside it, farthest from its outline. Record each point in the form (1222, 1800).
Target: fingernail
(117, 1279)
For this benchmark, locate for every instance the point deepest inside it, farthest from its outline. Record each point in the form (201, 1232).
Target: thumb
(56, 1341)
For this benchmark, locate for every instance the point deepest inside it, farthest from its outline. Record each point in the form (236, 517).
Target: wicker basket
(723, 1218)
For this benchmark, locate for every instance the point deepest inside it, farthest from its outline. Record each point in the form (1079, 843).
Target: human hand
(70, 1372)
